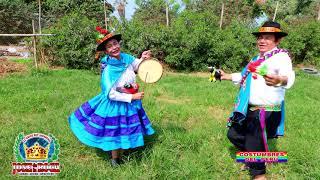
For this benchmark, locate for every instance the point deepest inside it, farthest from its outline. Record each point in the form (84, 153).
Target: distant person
(114, 120)
(259, 110)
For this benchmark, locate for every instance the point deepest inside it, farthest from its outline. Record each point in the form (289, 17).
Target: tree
(14, 19)
(73, 46)
(121, 7)
(240, 10)
(53, 9)
(290, 10)
(154, 11)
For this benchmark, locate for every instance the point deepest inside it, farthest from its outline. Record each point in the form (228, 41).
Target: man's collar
(269, 51)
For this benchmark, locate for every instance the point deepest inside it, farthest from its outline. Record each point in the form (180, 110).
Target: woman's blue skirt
(110, 125)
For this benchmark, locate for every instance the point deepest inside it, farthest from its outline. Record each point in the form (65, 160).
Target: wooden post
(275, 12)
(34, 46)
(26, 35)
(319, 13)
(167, 13)
(221, 17)
(39, 16)
(41, 58)
(237, 9)
(110, 23)
(105, 14)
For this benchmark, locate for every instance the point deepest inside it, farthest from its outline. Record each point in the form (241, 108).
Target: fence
(24, 45)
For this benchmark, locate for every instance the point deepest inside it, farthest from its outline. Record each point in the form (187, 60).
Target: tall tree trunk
(275, 12)
(105, 14)
(221, 17)
(39, 16)
(319, 12)
(167, 13)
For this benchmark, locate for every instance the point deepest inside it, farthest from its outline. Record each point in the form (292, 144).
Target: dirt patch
(216, 113)
(194, 74)
(193, 122)
(219, 113)
(201, 74)
(170, 100)
(83, 157)
(10, 67)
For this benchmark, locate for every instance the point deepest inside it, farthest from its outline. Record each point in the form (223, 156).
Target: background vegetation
(191, 41)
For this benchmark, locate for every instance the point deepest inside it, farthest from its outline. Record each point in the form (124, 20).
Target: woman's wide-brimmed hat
(271, 27)
(104, 37)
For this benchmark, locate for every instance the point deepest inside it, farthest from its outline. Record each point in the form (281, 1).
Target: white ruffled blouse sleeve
(128, 77)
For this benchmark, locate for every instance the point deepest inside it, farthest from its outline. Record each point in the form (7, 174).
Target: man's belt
(265, 107)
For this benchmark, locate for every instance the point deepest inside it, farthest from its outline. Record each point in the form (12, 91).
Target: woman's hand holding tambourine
(146, 55)
(138, 95)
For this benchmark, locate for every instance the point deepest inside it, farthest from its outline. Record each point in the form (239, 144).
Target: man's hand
(225, 76)
(138, 95)
(275, 80)
(146, 55)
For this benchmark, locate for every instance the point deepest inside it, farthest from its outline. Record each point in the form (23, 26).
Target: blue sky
(130, 8)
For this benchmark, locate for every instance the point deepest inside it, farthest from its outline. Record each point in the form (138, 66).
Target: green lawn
(188, 113)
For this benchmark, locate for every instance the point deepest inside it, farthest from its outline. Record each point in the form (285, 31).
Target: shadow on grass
(272, 144)
(139, 153)
(135, 154)
(232, 151)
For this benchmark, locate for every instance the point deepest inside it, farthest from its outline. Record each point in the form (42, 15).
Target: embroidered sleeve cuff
(291, 78)
(236, 78)
(136, 64)
(117, 96)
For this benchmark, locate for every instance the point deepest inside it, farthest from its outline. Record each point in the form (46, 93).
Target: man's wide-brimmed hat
(271, 27)
(104, 37)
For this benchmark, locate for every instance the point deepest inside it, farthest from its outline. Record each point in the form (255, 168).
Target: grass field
(188, 113)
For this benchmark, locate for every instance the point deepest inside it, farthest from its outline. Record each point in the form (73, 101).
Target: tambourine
(150, 71)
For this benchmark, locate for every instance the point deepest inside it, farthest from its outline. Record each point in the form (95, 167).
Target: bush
(193, 41)
(53, 10)
(73, 45)
(191, 36)
(233, 47)
(138, 37)
(303, 42)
